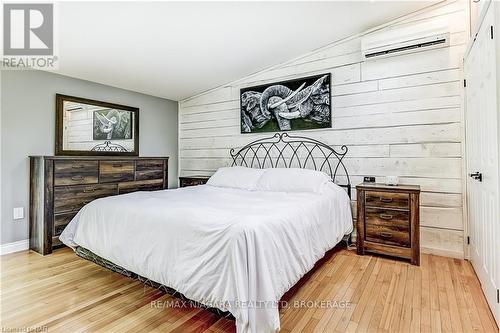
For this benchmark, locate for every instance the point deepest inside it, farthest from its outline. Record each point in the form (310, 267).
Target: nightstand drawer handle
(77, 178)
(88, 190)
(117, 165)
(385, 235)
(77, 166)
(386, 216)
(386, 200)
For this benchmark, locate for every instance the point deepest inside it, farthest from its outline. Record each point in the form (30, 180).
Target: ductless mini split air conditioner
(403, 40)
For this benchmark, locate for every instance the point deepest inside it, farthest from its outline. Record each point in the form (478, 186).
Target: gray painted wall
(28, 128)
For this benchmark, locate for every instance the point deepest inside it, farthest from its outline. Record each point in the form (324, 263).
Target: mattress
(231, 249)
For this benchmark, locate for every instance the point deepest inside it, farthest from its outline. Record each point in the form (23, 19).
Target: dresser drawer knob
(77, 178)
(385, 235)
(386, 216)
(386, 200)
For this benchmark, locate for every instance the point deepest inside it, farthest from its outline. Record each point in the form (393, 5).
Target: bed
(236, 249)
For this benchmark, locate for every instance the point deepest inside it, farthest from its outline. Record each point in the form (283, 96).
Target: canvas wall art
(298, 104)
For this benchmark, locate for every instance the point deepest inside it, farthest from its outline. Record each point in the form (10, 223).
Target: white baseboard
(442, 252)
(15, 247)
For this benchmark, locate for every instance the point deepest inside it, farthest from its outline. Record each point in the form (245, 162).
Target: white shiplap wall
(399, 116)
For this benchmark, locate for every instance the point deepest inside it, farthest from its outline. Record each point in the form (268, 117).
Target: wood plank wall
(401, 116)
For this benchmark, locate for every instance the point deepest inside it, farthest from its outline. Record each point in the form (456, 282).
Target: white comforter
(233, 249)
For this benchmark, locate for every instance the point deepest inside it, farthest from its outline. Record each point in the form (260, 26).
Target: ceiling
(175, 50)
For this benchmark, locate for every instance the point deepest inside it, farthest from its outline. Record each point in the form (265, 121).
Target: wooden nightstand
(388, 220)
(192, 181)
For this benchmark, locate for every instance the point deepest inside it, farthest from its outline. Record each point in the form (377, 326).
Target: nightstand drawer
(389, 235)
(398, 219)
(387, 199)
(192, 181)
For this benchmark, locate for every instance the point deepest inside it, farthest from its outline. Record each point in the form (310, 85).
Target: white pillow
(292, 180)
(236, 177)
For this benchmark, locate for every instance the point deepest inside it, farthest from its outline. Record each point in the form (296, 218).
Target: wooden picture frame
(104, 147)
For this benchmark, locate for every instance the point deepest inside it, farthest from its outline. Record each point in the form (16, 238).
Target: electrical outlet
(18, 213)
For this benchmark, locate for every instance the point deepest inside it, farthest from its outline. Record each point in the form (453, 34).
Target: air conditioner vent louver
(405, 39)
(405, 48)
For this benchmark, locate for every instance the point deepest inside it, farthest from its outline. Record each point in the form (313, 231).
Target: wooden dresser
(61, 185)
(388, 220)
(192, 181)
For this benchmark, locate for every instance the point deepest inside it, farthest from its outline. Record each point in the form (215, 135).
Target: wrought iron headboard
(287, 151)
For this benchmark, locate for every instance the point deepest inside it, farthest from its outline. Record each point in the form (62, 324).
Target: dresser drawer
(397, 219)
(149, 165)
(149, 174)
(387, 234)
(75, 172)
(72, 198)
(144, 185)
(56, 242)
(387, 199)
(116, 171)
(61, 221)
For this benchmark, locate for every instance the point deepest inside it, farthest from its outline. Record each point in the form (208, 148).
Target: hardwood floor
(63, 293)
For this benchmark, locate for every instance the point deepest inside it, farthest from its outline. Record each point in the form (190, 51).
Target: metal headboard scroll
(288, 151)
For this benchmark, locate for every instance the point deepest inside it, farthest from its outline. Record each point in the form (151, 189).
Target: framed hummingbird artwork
(90, 127)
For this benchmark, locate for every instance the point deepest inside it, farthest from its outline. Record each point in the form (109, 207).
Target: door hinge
(465, 83)
(491, 31)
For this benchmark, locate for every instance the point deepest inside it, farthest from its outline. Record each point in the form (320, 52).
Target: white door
(482, 161)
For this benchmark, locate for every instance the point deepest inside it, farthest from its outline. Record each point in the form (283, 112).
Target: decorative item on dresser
(192, 181)
(61, 185)
(388, 220)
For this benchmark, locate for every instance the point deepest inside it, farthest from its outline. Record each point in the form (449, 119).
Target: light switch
(18, 213)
